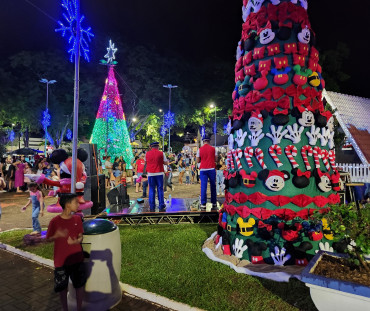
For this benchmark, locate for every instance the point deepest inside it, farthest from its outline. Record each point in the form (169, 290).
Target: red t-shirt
(65, 254)
(140, 165)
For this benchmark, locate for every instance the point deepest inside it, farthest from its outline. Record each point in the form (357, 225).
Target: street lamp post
(47, 82)
(170, 87)
(160, 110)
(215, 125)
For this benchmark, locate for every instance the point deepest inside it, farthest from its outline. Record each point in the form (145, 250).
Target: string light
(163, 130)
(11, 135)
(70, 27)
(69, 134)
(169, 119)
(46, 119)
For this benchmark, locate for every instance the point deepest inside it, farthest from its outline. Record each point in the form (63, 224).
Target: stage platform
(179, 210)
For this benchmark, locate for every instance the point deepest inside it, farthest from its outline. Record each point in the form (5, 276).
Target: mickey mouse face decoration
(330, 124)
(275, 179)
(266, 34)
(323, 180)
(305, 117)
(255, 122)
(304, 36)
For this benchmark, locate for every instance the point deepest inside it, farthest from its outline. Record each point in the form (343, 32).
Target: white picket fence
(358, 172)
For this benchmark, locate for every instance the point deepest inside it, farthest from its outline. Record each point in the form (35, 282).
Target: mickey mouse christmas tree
(110, 130)
(281, 158)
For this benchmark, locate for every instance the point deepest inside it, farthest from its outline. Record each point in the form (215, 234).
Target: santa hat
(256, 114)
(277, 173)
(268, 26)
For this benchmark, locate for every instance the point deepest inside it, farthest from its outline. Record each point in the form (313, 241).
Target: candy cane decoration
(259, 155)
(248, 154)
(305, 155)
(274, 151)
(230, 161)
(325, 158)
(316, 156)
(237, 155)
(291, 152)
(332, 159)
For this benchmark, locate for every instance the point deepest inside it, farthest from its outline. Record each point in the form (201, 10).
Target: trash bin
(102, 247)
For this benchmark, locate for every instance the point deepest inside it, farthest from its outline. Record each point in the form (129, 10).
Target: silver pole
(76, 99)
(169, 127)
(215, 126)
(163, 133)
(47, 106)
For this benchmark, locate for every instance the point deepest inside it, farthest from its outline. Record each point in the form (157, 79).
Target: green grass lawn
(168, 260)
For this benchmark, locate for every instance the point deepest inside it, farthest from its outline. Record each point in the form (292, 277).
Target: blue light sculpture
(70, 27)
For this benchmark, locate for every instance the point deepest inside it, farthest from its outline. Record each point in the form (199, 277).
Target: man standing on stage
(155, 159)
(206, 156)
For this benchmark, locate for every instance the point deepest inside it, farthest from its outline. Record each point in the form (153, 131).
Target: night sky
(196, 29)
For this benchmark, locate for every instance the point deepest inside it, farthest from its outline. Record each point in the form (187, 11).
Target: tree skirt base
(270, 272)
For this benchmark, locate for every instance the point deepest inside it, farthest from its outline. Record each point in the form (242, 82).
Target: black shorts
(62, 274)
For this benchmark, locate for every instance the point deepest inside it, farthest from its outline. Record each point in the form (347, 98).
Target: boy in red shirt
(66, 231)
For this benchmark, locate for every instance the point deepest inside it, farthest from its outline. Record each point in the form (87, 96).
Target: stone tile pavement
(27, 285)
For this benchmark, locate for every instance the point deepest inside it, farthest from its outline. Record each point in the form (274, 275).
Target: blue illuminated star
(111, 51)
(70, 27)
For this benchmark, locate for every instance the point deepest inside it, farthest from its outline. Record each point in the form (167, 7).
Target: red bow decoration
(277, 112)
(277, 92)
(262, 225)
(229, 175)
(306, 173)
(254, 96)
(284, 103)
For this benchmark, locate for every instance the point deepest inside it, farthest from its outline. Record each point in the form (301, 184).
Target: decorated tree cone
(281, 162)
(110, 131)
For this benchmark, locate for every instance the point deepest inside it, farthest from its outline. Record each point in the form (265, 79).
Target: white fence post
(358, 172)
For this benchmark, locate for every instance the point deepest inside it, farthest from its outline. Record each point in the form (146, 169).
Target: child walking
(66, 231)
(37, 200)
(187, 175)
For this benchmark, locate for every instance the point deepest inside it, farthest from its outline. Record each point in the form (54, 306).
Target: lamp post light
(213, 105)
(170, 87)
(160, 110)
(47, 82)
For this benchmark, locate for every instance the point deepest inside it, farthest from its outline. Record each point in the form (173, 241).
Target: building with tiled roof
(353, 115)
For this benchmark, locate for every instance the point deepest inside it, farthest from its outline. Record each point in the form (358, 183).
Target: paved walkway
(27, 285)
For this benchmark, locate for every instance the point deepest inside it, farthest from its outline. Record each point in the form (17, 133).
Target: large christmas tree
(110, 130)
(281, 163)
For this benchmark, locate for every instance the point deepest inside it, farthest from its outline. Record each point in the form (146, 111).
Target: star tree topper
(110, 54)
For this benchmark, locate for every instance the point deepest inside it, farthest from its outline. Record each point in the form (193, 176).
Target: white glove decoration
(256, 137)
(238, 248)
(325, 247)
(314, 135)
(240, 137)
(276, 134)
(294, 133)
(279, 257)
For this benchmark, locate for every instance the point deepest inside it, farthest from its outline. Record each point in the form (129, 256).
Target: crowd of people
(183, 163)
(14, 168)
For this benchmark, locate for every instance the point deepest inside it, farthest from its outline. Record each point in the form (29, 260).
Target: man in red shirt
(206, 156)
(155, 159)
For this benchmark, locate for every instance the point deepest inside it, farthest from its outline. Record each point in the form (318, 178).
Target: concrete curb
(138, 292)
